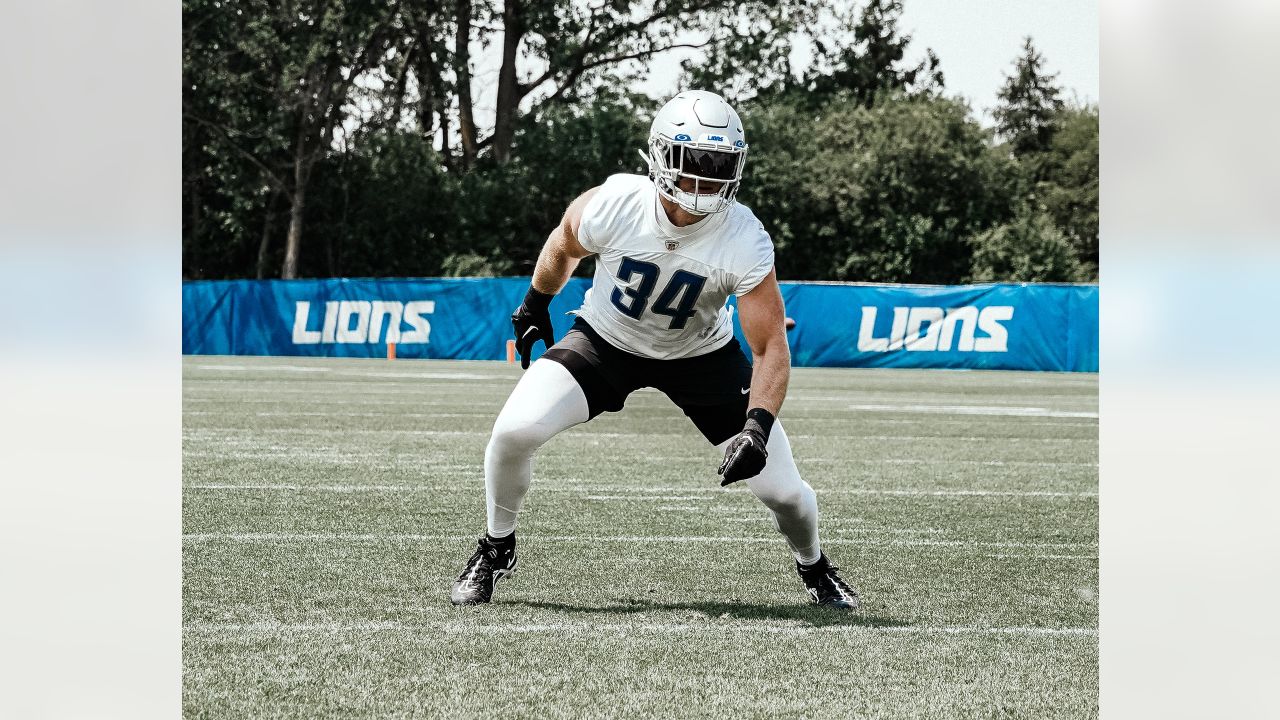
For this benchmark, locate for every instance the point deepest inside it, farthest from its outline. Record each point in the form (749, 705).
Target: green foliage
(1056, 147)
(873, 63)
(859, 167)
(559, 153)
(1029, 104)
(886, 193)
(386, 207)
(470, 264)
(749, 51)
(1070, 192)
(1030, 248)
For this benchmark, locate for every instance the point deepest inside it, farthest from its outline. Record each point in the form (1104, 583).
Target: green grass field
(329, 503)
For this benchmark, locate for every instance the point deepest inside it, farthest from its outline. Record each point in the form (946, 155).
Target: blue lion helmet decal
(682, 138)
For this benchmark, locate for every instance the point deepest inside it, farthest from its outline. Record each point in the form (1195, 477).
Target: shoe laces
(841, 587)
(828, 572)
(480, 567)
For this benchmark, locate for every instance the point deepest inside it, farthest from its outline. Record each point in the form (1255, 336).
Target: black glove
(532, 323)
(745, 456)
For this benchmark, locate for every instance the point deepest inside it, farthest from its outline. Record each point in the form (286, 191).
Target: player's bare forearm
(562, 251)
(770, 375)
(555, 265)
(762, 315)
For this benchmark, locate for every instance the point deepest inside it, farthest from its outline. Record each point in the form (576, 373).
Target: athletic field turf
(328, 504)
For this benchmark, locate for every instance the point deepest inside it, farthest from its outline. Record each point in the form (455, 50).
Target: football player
(670, 248)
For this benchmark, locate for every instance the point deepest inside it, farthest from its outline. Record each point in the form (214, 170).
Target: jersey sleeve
(592, 224)
(757, 264)
(601, 213)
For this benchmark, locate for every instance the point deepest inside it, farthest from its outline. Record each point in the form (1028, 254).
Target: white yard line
(865, 460)
(656, 498)
(321, 401)
(426, 375)
(994, 463)
(792, 421)
(999, 556)
(971, 493)
(826, 421)
(635, 539)
(294, 387)
(265, 368)
(464, 628)
(648, 494)
(978, 410)
(205, 430)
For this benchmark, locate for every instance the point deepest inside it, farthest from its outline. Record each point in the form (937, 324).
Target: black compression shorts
(711, 389)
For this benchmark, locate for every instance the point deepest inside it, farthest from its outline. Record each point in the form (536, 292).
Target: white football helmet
(697, 135)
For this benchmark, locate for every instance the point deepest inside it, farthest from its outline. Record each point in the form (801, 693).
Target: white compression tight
(547, 400)
(792, 504)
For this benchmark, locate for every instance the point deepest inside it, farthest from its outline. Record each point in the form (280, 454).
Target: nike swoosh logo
(532, 328)
(746, 390)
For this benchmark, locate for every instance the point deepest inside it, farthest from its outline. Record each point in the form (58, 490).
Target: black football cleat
(490, 563)
(825, 586)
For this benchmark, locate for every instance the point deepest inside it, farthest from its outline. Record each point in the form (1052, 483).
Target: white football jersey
(659, 290)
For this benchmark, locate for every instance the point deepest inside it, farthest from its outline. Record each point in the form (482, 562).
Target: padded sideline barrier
(997, 326)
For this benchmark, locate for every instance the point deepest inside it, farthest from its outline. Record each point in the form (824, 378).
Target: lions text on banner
(1000, 326)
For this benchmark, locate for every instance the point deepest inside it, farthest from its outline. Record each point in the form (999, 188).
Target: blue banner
(1007, 327)
(993, 327)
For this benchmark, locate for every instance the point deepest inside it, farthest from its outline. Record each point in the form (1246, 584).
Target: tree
(750, 50)
(386, 206)
(1070, 191)
(1029, 102)
(888, 193)
(1027, 249)
(574, 41)
(355, 119)
(506, 211)
(285, 72)
(873, 63)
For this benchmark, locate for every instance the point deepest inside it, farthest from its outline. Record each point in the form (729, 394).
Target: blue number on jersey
(648, 273)
(692, 286)
(685, 284)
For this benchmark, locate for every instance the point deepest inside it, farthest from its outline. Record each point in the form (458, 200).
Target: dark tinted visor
(710, 163)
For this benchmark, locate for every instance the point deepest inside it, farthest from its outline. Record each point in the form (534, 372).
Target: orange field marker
(391, 351)
(511, 351)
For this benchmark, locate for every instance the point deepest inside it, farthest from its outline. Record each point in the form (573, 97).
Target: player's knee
(515, 439)
(790, 499)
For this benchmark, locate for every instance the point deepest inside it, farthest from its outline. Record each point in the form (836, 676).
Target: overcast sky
(976, 40)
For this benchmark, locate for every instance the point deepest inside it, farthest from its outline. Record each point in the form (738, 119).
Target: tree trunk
(297, 202)
(424, 67)
(266, 236)
(401, 84)
(294, 239)
(192, 239)
(508, 104)
(445, 150)
(462, 69)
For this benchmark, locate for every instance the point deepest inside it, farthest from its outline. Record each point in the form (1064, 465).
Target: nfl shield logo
(672, 245)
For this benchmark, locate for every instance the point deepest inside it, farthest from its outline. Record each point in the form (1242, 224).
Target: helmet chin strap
(680, 197)
(691, 199)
